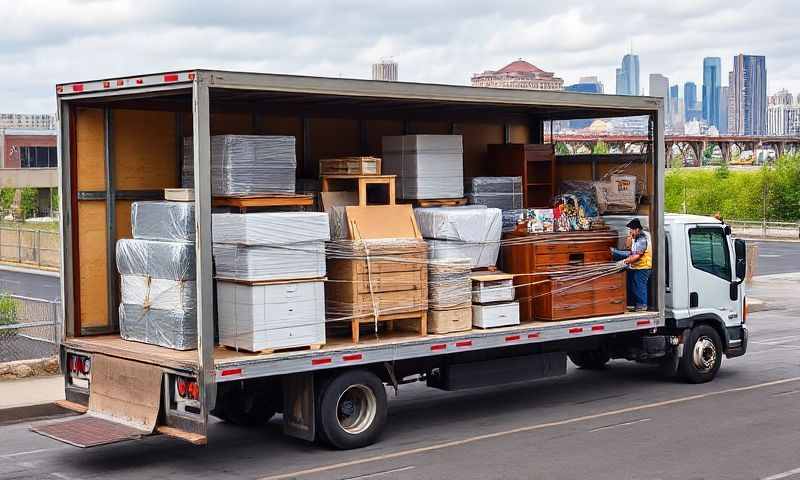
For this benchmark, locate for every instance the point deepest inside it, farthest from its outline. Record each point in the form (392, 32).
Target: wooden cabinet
(551, 275)
(535, 163)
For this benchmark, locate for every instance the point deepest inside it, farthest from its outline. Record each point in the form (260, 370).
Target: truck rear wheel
(702, 355)
(590, 359)
(351, 409)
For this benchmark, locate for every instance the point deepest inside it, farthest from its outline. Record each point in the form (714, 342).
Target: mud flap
(124, 402)
(298, 406)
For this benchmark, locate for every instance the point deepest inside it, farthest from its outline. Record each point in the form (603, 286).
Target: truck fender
(714, 321)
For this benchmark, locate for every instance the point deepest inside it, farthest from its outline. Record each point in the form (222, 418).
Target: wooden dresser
(551, 292)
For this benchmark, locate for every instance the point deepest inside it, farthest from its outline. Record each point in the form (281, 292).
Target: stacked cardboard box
(157, 269)
(493, 302)
(449, 295)
(504, 193)
(270, 269)
(427, 166)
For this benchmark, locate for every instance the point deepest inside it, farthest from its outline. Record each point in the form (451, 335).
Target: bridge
(691, 147)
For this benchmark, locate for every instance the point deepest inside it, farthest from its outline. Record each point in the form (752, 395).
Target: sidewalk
(24, 268)
(31, 391)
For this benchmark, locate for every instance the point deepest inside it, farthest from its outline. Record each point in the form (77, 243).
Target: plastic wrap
(256, 317)
(264, 262)
(586, 193)
(270, 228)
(337, 216)
(168, 221)
(449, 284)
(152, 258)
(246, 164)
(504, 193)
(176, 329)
(512, 217)
(459, 232)
(427, 166)
(158, 293)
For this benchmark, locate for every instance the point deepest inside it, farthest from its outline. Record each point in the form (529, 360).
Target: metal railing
(765, 229)
(30, 328)
(38, 248)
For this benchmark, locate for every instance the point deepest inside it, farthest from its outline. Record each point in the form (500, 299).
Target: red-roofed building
(518, 74)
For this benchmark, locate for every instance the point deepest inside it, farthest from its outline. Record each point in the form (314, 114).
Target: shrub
(8, 309)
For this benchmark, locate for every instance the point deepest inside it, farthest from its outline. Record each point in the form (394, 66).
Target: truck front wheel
(351, 409)
(702, 355)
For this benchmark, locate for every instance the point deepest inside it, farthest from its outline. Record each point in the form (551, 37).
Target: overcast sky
(46, 42)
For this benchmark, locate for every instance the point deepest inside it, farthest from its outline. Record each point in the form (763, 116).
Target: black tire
(246, 409)
(702, 355)
(590, 359)
(351, 409)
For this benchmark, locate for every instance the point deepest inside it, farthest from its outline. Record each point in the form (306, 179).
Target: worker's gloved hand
(622, 264)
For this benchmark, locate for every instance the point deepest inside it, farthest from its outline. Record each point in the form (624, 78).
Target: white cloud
(49, 41)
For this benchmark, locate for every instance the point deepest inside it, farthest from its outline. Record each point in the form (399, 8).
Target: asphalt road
(777, 257)
(623, 423)
(33, 285)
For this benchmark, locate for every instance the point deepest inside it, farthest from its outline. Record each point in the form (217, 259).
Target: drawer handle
(616, 302)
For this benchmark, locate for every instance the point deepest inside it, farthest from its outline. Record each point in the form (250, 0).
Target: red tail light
(187, 388)
(181, 387)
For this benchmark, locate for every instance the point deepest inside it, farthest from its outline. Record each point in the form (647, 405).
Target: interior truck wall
(476, 137)
(329, 138)
(144, 158)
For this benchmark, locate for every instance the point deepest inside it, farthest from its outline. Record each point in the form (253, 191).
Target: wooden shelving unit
(535, 163)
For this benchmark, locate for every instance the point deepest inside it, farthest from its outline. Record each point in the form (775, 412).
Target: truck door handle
(694, 300)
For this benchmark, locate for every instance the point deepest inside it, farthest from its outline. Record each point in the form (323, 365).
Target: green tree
(8, 309)
(561, 149)
(29, 202)
(600, 148)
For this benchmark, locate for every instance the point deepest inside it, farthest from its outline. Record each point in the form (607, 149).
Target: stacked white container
(427, 166)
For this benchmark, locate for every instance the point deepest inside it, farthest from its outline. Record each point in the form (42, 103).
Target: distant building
(690, 101)
(747, 109)
(36, 121)
(659, 86)
(583, 87)
(783, 119)
(594, 80)
(384, 70)
(712, 81)
(518, 74)
(628, 76)
(29, 159)
(724, 92)
(781, 97)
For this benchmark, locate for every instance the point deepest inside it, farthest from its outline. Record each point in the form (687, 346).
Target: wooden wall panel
(520, 134)
(428, 128)
(376, 130)
(231, 124)
(331, 137)
(92, 274)
(291, 126)
(145, 150)
(476, 137)
(90, 149)
(123, 219)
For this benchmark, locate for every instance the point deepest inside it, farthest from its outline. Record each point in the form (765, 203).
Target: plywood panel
(123, 219)
(231, 124)
(572, 171)
(428, 128)
(92, 268)
(520, 134)
(476, 137)
(144, 150)
(376, 130)
(90, 149)
(331, 137)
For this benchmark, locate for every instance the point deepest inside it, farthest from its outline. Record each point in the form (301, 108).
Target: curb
(30, 413)
(19, 369)
(33, 271)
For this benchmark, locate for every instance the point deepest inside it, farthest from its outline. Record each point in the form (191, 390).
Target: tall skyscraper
(712, 80)
(674, 94)
(723, 110)
(594, 80)
(385, 70)
(690, 101)
(748, 94)
(628, 76)
(659, 86)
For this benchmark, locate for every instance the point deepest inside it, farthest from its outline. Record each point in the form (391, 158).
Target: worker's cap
(635, 223)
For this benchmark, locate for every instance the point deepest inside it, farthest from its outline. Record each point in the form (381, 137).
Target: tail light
(79, 365)
(744, 310)
(187, 388)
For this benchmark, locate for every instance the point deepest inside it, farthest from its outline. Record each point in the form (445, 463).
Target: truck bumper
(737, 348)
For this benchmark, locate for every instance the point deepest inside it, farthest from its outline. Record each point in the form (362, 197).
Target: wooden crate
(448, 321)
(394, 283)
(350, 166)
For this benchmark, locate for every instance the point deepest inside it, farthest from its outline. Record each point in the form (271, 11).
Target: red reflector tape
(232, 371)
(106, 84)
(465, 343)
(640, 323)
(171, 77)
(533, 335)
(120, 83)
(353, 357)
(598, 328)
(78, 87)
(512, 338)
(191, 76)
(439, 346)
(321, 361)
(139, 81)
(576, 330)
(59, 89)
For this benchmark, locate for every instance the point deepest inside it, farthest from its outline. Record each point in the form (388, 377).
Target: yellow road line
(528, 428)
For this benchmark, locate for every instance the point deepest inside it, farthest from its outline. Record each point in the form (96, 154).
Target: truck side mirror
(740, 248)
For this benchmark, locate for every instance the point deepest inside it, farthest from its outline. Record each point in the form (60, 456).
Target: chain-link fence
(29, 328)
(39, 248)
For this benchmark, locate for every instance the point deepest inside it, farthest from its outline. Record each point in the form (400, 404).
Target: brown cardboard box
(447, 321)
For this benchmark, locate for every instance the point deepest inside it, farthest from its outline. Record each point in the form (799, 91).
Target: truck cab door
(711, 279)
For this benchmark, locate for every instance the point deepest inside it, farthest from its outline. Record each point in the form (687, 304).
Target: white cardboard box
(492, 287)
(259, 317)
(495, 315)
